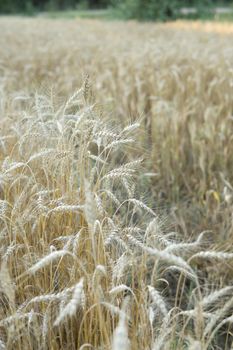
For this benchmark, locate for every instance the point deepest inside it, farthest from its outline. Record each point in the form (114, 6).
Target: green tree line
(168, 9)
(12, 6)
(140, 9)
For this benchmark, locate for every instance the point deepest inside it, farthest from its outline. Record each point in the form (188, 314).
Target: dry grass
(99, 248)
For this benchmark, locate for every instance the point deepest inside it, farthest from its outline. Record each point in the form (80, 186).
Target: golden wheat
(103, 194)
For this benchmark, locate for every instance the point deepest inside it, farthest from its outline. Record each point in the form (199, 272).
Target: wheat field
(116, 185)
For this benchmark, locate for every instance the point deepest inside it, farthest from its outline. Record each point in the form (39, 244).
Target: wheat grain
(119, 289)
(213, 255)
(66, 208)
(47, 260)
(157, 300)
(71, 307)
(6, 284)
(214, 296)
(161, 254)
(120, 335)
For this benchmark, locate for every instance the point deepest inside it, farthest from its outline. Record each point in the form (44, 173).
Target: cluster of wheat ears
(116, 215)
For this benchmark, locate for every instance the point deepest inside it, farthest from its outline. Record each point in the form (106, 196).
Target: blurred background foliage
(129, 9)
(161, 9)
(14, 6)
